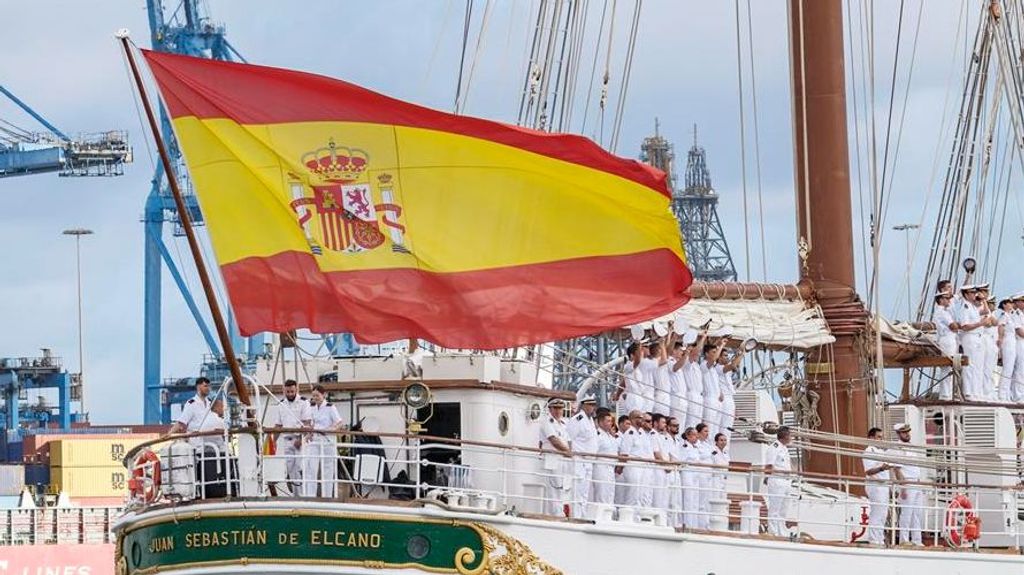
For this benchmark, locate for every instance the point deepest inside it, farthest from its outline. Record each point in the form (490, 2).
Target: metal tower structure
(184, 30)
(696, 208)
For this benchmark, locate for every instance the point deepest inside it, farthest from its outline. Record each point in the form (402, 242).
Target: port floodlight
(416, 395)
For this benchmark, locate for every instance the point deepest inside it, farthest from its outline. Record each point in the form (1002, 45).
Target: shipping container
(98, 502)
(111, 481)
(37, 445)
(13, 451)
(93, 452)
(37, 476)
(12, 479)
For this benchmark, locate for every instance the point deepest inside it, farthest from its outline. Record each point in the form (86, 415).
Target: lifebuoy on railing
(962, 524)
(145, 482)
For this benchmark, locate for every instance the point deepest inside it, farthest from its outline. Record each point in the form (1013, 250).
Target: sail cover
(337, 209)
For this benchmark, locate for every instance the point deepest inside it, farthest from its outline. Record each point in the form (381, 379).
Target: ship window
(503, 424)
(417, 547)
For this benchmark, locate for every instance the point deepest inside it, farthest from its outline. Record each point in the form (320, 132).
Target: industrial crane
(23, 152)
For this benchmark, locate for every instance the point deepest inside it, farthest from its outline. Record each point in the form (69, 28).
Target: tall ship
(547, 394)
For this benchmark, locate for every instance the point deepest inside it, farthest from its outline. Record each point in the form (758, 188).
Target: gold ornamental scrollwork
(508, 556)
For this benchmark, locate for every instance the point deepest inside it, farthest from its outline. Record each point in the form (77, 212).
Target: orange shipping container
(111, 481)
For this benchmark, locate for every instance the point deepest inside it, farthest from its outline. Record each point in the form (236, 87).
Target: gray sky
(63, 60)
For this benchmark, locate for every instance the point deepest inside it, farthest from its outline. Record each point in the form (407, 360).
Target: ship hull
(328, 537)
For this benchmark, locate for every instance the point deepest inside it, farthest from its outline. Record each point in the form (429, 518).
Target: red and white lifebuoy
(145, 482)
(962, 524)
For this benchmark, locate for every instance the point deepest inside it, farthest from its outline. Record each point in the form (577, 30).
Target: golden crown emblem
(336, 163)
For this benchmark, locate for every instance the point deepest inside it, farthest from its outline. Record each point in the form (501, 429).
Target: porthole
(503, 424)
(534, 412)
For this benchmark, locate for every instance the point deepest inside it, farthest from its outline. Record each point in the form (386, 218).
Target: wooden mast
(824, 221)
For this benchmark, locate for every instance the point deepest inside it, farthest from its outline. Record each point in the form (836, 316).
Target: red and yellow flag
(337, 209)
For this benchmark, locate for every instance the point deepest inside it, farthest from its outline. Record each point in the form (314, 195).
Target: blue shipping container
(37, 474)
(13, 451)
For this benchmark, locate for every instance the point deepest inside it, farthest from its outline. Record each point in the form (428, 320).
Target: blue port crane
(24, 152)
(183, 30)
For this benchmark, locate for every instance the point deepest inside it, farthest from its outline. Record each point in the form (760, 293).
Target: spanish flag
(337, 209)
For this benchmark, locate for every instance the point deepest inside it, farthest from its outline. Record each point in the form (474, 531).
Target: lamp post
(907, 228)
(78, 233)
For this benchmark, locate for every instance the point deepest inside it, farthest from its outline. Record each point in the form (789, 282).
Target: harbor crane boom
(24, 152)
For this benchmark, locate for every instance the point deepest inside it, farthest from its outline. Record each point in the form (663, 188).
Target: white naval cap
(901, 427)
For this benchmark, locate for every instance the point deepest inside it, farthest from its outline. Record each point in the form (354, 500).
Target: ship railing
(481, 477)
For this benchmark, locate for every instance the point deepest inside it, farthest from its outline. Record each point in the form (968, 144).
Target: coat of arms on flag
(337, 209)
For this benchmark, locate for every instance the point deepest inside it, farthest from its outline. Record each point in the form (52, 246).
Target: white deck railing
(489, 479)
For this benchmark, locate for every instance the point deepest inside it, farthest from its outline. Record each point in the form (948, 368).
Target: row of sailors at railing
(688, 379)
(991, 337)
(308, 456)
(578, 486)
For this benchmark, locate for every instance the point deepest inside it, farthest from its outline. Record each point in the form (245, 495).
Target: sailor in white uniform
(662, 445)
(583, 438)
(720, 459)
(990, 340)
(677, 365)
(194, 412)
(911, 497)
(970, 333)
(554, 440)
(711, 375)
(1017, 391)
(694, 379)
(675, 498)
(690, 479)
(876, 477)
(945, 336)
(292, 412)
(320, 451)
(630, 394)
(649, 367)
(603, 486)
(778, 484)
(704, 475)
(635, 443)
(661, 375)
(1007, 349)
(727, 387)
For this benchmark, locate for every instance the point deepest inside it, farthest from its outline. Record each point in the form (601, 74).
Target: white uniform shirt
(551, 427)
(910, 472)
(293, 413)
(582, 433)
(870, 463)
(704, 451)
(634, 382)
(324, 416)
(942, 318)
(662, 443)
(678, 386)
(213, 422)
(967, 313)
(193, 413)
(778, 458)
(636, 443)
(711, 376)
(1019, 323)
(607, 444)
(720, 457)
(694, 382)
(726, 384)
(1008, 321)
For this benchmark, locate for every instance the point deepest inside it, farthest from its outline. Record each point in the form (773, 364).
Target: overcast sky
(60, 56)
